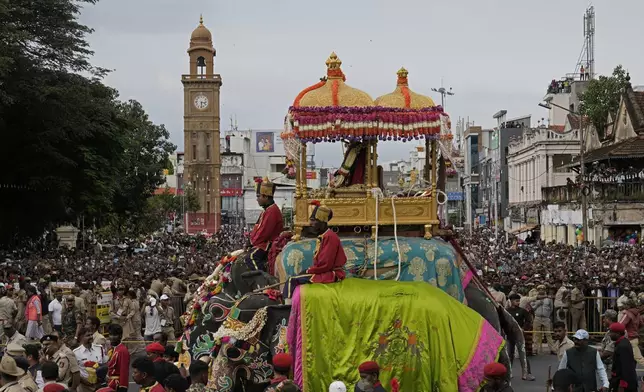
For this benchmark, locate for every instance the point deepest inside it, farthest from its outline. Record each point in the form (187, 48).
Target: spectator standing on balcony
(542, 322)
(582, 73)
(577, 307)
(562, 299)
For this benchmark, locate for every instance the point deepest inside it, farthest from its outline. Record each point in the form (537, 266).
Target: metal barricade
(594, 308)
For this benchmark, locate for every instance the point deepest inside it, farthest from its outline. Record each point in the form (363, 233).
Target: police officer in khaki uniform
(17, 352)
(9, 375)
(79, 303)
(68, 370)
(8, 308)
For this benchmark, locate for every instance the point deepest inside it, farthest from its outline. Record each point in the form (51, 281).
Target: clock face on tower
(201, 101)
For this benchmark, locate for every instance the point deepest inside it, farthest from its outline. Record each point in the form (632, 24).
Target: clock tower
(201, 132)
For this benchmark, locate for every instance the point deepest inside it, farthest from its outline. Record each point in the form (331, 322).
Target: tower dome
(201, 35)
(403, 97)
(333, 91)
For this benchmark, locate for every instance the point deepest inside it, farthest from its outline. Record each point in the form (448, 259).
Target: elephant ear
(276, 321)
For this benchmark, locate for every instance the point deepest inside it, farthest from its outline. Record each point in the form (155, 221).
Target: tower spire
(201, 19)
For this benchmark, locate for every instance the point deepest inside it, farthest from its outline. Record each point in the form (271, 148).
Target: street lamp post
(582, 162)
(443, 92)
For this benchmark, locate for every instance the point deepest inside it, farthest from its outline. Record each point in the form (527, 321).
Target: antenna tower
(589, 44)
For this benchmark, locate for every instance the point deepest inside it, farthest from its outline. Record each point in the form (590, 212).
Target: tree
(60, 147)
(70, 148)
(158, 210)
(146, 148)
(602, 98)
(44, 34)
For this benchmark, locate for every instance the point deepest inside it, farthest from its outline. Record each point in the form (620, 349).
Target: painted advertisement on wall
(265, 142)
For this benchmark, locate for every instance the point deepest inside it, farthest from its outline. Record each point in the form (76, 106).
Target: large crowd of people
(510, 262)
(49, 296)
(550, 283)
(555, 290)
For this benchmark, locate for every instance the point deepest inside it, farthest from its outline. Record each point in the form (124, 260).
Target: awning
(523, 229)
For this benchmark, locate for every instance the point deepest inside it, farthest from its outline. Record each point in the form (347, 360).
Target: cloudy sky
(495, 54)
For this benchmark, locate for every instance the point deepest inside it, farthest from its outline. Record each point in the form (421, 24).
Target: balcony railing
(215, 77)
(632, 191)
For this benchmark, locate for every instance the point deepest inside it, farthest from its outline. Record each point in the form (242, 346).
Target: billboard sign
(265, 142)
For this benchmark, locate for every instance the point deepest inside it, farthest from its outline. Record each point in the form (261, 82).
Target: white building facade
(537, 160)
(260, 154)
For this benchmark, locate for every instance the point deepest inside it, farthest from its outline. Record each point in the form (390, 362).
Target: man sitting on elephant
(329, 257)
(268, 226)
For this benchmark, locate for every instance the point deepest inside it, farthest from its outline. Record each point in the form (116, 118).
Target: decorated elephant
(405, 326)
(215, 299)
(238, 360)
(244, 345)
(434, 261)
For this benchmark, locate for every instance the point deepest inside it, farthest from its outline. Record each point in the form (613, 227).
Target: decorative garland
(333, 123)
(289, 170)
(213, 285)
(238, 330)
(307, 90)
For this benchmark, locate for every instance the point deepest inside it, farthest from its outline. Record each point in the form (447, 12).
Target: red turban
(282, 361)
(155, 347)
(495, 369)
(55, 387)
(617, 327)
(369, 367)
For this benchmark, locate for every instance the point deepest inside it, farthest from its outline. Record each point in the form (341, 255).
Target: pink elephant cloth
(294, 337)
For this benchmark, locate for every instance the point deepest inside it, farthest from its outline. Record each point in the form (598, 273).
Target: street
(539, 365)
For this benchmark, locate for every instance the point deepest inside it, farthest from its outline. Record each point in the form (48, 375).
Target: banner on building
(231, 185)
(265, 142)
(228, 192)
(455, 196)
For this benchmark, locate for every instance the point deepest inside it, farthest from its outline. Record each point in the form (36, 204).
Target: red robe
(268, 227)
(328, 260)
(156, 387)
(118, 368)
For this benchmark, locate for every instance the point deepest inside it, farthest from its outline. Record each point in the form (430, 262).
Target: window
(208, 187)
(194, 152)
(278, 167)
(201, 67)
(207, 151)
